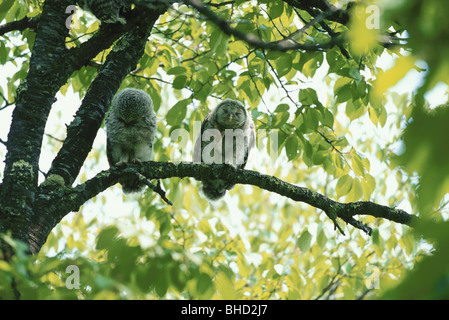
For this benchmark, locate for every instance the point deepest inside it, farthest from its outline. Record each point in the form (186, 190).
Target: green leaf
(344, 93)
(340, 84)
(356, 192)
(308, 97)
(204, 286)
(180, 82)
(279, 119)
(335, 60)
(357, 165)
(283, 65)
(4, 53)
(312, 64)
(177, 113)
(368, 186)
(283, 107)
(177, 278)
(161, 283)
(225, 286)
(275, 9)
(106, 238)
(4, 8)
(343, 185)
(327, 118)
(292, 147)
(218, 42)
(354, 109)
(304, 241)
(311, 118)
(176, 70)
(145, 276)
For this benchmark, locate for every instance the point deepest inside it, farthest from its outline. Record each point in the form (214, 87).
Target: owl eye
(225, 110)
(238, 113)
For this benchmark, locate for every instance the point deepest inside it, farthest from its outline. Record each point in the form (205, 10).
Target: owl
(131, 129)
(227, 136)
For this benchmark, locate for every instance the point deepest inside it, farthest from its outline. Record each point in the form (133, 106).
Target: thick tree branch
(36, 94)
(107, 34)
(77, 196)
(20, 25)
(333, 13)
(82, 131)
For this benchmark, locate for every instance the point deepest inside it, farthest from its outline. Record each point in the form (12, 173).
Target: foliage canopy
(332, 84)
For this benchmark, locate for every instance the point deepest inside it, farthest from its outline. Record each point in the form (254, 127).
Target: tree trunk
(24, 210)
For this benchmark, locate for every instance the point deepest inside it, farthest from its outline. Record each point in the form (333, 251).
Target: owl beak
(231, 117)
(130, 123)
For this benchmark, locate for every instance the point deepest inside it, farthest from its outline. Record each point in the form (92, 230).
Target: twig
(161, 192)
(251, 76)
(7, 103)
(295, 103)
(156, 188)
(333, 281)
(54, 138)
(318, 18)
(329, 142)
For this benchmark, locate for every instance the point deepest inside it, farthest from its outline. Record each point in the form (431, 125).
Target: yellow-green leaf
(357, 165)
(343, 185)
(368, 186)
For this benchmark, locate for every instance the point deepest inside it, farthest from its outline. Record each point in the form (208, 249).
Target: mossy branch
(163, 170)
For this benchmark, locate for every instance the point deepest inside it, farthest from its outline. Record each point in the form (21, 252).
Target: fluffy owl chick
(227, 136)
(131, 128)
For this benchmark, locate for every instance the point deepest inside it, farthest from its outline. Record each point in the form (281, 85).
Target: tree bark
(51, 65)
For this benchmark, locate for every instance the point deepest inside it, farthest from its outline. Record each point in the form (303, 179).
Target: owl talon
(229, 165)
(137, 161)
(121, 163)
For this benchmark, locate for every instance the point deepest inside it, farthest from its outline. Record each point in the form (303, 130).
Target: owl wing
(197, 150)
(109, 152)
(107, 123)
(251, 143)
(151, 126)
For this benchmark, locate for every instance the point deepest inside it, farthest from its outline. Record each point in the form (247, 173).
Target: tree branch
(107, 34)
(253, 40)
(334, 13)
(162, 170)
(19, 25)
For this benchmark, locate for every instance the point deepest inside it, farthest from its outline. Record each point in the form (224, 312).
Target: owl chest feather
(228, 145)
(140, 132)
(127, 142)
